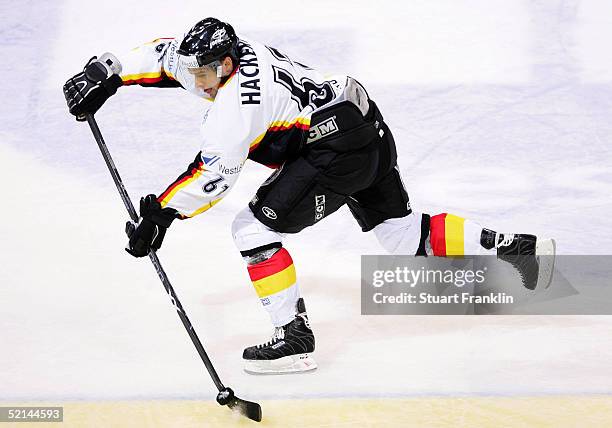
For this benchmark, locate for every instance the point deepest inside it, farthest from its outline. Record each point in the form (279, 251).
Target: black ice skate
(288, 351)
(533, 258)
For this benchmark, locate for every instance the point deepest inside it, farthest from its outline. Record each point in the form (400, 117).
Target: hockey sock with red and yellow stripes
(276, 286)
(451, 235)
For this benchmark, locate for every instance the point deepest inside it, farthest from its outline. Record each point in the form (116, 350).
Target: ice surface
(501, 113)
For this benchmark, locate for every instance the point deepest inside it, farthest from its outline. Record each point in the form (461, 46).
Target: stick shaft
(152, 255)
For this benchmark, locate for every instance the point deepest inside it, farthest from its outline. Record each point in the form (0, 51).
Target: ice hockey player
(328, 144)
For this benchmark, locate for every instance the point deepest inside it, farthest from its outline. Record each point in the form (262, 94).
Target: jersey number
(305, 92)
(211, 186)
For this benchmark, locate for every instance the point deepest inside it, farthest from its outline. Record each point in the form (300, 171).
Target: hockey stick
(226, 396)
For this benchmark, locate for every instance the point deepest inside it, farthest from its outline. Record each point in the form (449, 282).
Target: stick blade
(247, 408)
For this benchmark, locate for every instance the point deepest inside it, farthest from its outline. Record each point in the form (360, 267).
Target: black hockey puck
(225, 396)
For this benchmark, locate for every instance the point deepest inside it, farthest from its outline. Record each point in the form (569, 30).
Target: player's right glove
(148, 234)
(86, 91)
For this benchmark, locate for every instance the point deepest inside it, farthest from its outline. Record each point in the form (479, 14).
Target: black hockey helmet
(210, 40)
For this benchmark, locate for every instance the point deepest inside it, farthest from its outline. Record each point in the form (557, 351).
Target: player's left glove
(86, 91)
(148, 234)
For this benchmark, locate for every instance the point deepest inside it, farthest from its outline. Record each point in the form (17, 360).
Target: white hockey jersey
(261, 112)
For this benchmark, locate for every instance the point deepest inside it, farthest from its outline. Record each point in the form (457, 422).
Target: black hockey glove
(150, 230)
(88, 90)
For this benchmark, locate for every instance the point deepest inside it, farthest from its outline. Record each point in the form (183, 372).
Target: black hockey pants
(352, 160)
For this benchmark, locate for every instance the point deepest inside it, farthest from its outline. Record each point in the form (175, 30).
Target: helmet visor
(189, 70)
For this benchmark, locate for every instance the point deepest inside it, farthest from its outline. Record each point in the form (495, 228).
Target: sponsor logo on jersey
(211, 160)
(250, 91)
(319, 207)
(323, 129)
(269, 212)
(171, 57)
(265, 301)
(229, 171)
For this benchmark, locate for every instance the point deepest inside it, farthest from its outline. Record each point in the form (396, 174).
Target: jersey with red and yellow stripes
(261, 112)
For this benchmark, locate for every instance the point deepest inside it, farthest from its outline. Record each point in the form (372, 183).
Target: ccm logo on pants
(319, 207)
(323, 129)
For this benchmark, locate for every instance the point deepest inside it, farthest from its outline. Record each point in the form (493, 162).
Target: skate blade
(290, 364)
(545, 251)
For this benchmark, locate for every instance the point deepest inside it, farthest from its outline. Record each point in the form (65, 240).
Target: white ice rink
(501, 111)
